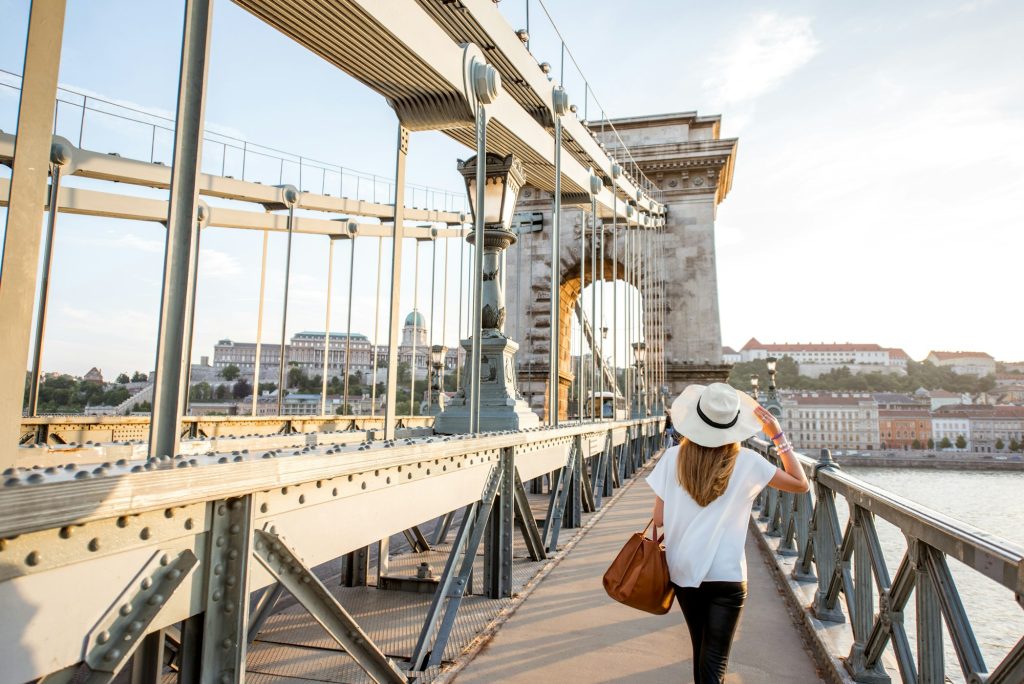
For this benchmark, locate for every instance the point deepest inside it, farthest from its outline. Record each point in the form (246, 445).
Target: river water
(991, 501)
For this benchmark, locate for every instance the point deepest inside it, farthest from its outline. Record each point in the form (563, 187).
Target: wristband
(781, 432)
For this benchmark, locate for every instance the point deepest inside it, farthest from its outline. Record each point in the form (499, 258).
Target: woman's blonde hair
(704, 471)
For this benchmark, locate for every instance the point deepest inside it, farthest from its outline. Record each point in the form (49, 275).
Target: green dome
(415, 319)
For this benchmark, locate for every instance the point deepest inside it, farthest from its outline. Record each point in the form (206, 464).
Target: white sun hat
(715, 415)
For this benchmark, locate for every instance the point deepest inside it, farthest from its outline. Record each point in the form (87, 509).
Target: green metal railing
(847, 561)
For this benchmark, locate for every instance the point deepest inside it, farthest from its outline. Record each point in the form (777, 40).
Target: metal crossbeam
(455, 578)
(289, 570)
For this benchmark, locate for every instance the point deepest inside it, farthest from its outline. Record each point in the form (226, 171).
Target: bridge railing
(149, 544)
(847, 561)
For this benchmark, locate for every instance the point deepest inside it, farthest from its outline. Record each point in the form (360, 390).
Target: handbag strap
(654, 536)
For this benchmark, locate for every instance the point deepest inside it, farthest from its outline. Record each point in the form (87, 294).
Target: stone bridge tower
(684, 155)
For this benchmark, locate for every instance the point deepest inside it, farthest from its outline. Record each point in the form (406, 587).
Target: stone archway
(684, 155)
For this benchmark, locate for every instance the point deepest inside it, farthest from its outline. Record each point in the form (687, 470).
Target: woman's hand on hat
(769, 423)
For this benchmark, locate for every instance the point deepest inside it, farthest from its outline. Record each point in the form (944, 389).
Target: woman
(705, 488)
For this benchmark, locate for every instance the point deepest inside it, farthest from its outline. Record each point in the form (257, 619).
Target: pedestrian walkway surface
(568, 630)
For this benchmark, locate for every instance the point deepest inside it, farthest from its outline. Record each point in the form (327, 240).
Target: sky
(876, 196)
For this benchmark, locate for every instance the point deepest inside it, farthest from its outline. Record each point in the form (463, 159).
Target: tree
(123, 379)
(229, 372)
(241, 390)
(200, 392)
(931, 443)
(139, 376)
(143, 407)
(945, 443)
(916, 444)
(222, 393)
(267, 387)
(1014, 444)
(1000, 445)
(961, 443)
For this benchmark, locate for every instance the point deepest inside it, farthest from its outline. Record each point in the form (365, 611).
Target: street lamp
(772, 403)
(493, 382)
(640, 353)
(754, 381)
(437, 354)
(504, 178)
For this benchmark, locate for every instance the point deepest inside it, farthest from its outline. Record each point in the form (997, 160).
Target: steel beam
(282, 562)
(176, 299)
(27, 198)
(394, 314)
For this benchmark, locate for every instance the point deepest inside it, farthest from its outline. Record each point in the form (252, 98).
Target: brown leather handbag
(638, 577)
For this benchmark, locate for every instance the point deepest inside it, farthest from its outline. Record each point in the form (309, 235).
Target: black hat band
(720, 426)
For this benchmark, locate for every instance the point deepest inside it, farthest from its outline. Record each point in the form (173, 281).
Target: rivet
(302, 498)
(235, 529)
(165, 559)
(174, 574)
(229, 607)
(226, 644)
(233, 554)
(264, 508)
(146, 582)
(94, 544)
(156, 599)
(217, 595)
(220, 542)
(221, 509)
(189, 524)
(126, 609)
(103, 637)
(66, 532)
(136, 626)
(145, 533)
(168, 512)
(230, 581)
(112, 655)
(218, 569)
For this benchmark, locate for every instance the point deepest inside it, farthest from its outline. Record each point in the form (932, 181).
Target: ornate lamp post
(437, 354)
(640, 353)
(772, 402)
(754, 382)
(501, 407)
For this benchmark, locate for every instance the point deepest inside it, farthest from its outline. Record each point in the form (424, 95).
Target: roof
(320, 333)
(729, 350)
(947, 355)
(415, 319)
(943, 394)
(822, 398)
(812, 346)
(904, 413)
(897, 353)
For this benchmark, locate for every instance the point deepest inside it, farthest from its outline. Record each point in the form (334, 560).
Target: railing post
(826, 550)
(862, 604)
(499, 531)
(803, 571)
(930, 660)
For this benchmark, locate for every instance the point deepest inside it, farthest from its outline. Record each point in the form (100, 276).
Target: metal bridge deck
(293, 647)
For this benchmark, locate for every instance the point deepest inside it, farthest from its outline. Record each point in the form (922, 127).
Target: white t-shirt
(706, 544)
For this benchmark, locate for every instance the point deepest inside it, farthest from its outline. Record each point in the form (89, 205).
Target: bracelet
(781, 432)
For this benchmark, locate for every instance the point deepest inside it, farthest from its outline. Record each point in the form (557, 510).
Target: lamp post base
(501, 407)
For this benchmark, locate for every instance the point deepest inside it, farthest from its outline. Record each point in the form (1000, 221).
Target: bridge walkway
(569, 630)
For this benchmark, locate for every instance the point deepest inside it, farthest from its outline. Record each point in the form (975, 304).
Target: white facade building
(964, 362)
(816, 359)
(841, 421)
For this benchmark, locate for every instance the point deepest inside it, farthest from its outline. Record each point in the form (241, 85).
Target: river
(991, 501)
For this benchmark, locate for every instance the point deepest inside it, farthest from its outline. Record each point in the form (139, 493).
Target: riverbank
(932, 462)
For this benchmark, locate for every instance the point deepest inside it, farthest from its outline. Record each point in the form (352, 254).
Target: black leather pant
(712, 611)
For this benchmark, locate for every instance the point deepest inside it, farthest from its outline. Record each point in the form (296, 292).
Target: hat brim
(690, 425)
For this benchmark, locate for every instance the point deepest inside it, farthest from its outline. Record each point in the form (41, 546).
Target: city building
(895, 400)
(816, 359)
(964, 362)
(841, 421)
(305, 351)
(94, 375)
(730, 355)
(940, 398)
(950, 422)
(904, 428)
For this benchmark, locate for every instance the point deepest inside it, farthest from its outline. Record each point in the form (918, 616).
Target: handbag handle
(654, 536)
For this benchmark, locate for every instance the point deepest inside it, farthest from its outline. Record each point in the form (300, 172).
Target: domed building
(415, 328)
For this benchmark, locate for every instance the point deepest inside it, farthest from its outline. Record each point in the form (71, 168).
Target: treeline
(66, 394)
(926, 375)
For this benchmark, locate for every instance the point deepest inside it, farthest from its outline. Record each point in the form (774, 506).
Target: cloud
(217, 264)
(760, 56)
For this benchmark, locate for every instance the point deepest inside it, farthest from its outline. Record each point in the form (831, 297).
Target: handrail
(248, 148)
(850, 562)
